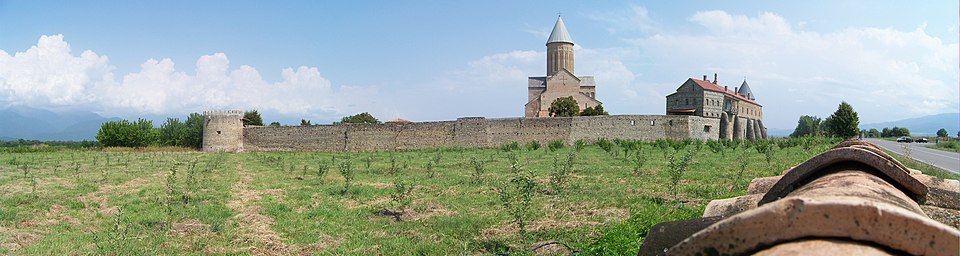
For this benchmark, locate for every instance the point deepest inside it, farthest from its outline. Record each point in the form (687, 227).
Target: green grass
(952, 146)
(247, 202)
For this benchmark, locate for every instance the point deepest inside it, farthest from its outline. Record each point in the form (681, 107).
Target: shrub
(561, 171)
(346, 170)
(477, 169)
(400, 198)
(555, 145)
(322, 168)
(510, 146)
(578, 145)
(516, 196)
(639, 159)
(533, 145)
(604, 144)
(716, 147)
(678, 165)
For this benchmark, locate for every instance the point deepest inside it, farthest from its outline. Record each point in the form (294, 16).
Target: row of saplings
(517, 193)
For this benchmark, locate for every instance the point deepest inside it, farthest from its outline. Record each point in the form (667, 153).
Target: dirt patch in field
(257, 237)
(104, 192)
(16, 239)
(379, 185)
(44, 185)
(683, 198)
(414, 215)
(549, 248)
(189, 226)
(507, 229)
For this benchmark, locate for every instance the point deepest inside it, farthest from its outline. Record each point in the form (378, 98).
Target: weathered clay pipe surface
(853, 199)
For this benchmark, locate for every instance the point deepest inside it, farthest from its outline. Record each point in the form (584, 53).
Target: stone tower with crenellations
(223, 130)
(560, 80)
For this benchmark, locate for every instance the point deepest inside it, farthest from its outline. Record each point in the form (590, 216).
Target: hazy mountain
(778, 133)
(38, 124)
(925, 125)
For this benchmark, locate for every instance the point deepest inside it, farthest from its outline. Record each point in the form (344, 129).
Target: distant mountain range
(38, 124)
(923, 126)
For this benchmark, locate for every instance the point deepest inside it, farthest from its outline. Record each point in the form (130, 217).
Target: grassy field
(437, 202)
(952, 146)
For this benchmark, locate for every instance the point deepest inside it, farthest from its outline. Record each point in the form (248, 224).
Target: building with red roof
(739, 113)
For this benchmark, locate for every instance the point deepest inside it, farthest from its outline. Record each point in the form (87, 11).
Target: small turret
(745, 91)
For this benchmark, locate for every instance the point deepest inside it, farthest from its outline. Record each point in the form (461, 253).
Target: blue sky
(438, 60)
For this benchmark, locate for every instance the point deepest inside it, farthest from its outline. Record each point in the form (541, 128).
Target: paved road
(949, 161)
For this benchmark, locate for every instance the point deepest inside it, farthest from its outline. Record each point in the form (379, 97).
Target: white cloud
(49, 75)
(886, 74)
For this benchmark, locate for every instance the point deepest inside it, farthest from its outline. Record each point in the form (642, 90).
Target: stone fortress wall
(465, 132)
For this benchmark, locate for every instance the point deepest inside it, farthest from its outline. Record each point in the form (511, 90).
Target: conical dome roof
(559, 34)
(745, 91)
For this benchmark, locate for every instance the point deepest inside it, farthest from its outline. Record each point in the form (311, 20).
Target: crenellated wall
(472, 132)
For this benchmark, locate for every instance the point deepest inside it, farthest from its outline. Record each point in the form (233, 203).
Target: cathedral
(560, 80)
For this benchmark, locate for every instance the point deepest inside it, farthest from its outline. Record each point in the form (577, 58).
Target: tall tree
(564, 107)
(173, 133)
(194, 125)
(807, 126)
(942, 132)
(252, 117)
(362, 118)
(844, 122)
(873, 133)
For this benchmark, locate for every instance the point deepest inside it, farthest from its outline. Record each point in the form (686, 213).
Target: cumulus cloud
(886, 74)
(50, 75)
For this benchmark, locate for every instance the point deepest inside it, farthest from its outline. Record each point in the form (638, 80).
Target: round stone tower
(559, 49)
(223, 131)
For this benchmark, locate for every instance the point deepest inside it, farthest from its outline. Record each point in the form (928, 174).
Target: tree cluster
(591, 111)
(567, 107)
(252, 117)
(842, 123)
(895, 132)
(141, 133)
(362, 118)
(807, 126)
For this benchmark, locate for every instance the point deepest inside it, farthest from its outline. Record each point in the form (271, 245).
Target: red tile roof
(707, 85)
